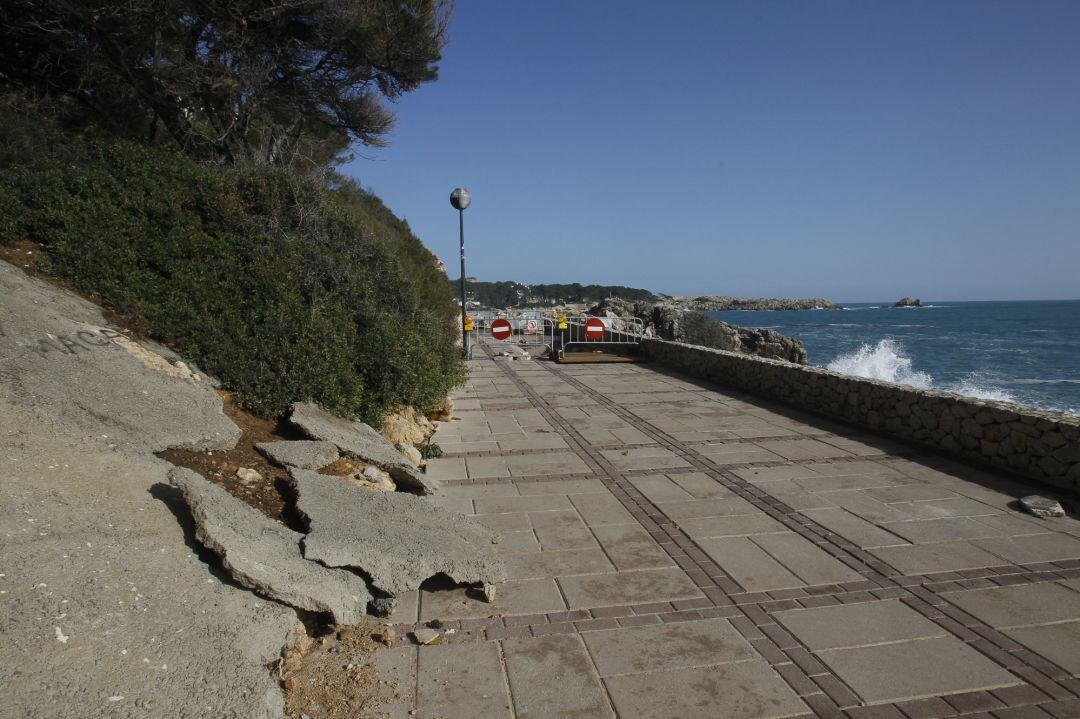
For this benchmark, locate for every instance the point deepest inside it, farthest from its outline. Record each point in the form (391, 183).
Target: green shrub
(431, 450)
(283, 287)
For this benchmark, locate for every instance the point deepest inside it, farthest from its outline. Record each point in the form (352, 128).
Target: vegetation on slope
(514, 294)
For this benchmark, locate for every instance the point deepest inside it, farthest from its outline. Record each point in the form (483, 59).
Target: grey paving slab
(722, 507)
(940, 508)
(1060, 643)
(1033, 548)
(940, 557)
(561, 530)
(852, 625)
(487, 467)
(396, 669)
(911, 670)
(644, 458)
(1020, 605)
(762, 475)
(461, 680)
(740, 690)
(802, 449)
(556, 563)
(667, 646)
(749, 565)
(525, 596)
(504, 523)
(445, 468)
(630, 547)
(700, 485)
(940, 530)
(552, 676)
(853, 528)
(566, 486)
(537, 503)
(622, 588)
(659, 488)
(531, 465)
(808, 562)
(600, 509)
(737, 526)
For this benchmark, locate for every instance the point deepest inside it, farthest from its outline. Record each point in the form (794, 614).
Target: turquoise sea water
(1025, 352)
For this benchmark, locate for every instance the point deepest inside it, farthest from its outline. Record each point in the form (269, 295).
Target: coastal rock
(264, 556)
(909, 302)
(361, 441)
(723, 303)
(406, 426)
(304, 453)
(396, 539)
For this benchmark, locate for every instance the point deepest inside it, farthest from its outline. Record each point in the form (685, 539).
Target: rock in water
(361, 441)
(1042, 506)
(264, 556)
(908, 302)
(396, 539)
(304, 453)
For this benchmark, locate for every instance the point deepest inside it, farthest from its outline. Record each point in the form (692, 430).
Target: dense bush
(286, 288)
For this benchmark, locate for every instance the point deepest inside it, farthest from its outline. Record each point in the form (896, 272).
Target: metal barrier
(600, 331)
(556, 334)
(524, 332)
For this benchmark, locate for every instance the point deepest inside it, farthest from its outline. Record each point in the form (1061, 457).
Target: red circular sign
(594, 329)
(500, 329)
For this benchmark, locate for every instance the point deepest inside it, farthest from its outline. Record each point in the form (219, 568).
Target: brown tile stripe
(750, 613)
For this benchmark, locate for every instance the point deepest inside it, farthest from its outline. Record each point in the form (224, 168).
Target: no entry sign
(594, 329)
(500, 329)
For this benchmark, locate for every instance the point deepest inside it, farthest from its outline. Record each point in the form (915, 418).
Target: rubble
(361, 441)
(1042, 506)
(248, 476)
(397, 539)
(264, 556)
(304, 453)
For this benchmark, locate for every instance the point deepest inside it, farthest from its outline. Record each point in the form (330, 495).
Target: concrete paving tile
(701, 486)
(722, 507)
(525, 596)
(761, 475)
(621, 588)
(741, 690)
(749, 565)
(630, 547)
(802, 449)
(1019, 605)
(561, 530)
(864, 466)
(916, 669)
(532, 465)
(533, 441)
(556, 563)
(487, 467)
(644, 458)
(450, 504)
(667, 646)
(1033, 548)
(868, 508)
(509, 522)
(1013, 525)
(568, 683)
(460, 681)
(823, 483)
(738, 526)
(396, 668)
(911, 493)
(808, 562)
(473, 491)
(940, 557)
(537, 503)
(563, 486)
(445, 468)
(736, 453)
(940, 530)
(942, 508)
(659, 488)
(517, 541)
(600, 509)
(1060, 643)
(853, 528)
(631, 435)
(852, 625)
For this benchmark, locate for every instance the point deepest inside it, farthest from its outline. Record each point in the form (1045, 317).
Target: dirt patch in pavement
(332, 677)
(270, 493)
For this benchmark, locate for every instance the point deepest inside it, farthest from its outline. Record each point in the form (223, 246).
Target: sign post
(501, 329)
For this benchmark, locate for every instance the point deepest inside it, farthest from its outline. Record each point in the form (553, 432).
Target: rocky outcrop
(909, 302)
(723, 303)
(264, 556)
(396, 539)
(670, 322)
(362, 442)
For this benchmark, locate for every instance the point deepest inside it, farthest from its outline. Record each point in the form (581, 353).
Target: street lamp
(460, 199)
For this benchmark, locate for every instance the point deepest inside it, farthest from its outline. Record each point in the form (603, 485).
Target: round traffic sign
(594, 329)
(500, 329)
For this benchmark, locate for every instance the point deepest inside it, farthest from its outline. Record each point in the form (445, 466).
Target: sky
(858, 151)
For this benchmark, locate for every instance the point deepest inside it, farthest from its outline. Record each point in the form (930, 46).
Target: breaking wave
(887, 361)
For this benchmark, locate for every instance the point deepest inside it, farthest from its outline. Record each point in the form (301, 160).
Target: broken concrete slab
(264, 556)
(396, 539)
(361, 441)
(302, 453)
(1041, 506)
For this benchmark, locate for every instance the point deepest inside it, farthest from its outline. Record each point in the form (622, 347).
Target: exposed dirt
(331, 677)
(270, 494)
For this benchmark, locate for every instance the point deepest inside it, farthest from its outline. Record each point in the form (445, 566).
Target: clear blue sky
(857, 150)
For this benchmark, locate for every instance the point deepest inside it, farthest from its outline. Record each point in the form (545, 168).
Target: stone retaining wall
(1035, 443)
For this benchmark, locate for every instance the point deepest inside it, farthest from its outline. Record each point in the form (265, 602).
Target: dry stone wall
(1034, 443)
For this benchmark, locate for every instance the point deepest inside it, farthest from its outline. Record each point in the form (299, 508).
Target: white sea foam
(887, 361)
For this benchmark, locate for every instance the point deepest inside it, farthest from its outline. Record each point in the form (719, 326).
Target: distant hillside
(516, 294)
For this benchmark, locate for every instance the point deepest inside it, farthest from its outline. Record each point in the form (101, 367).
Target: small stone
(1042, 506)
(384, 606)
(387, 637)
(248, 476)
(435, 624)
(489, 593)
(427, 636)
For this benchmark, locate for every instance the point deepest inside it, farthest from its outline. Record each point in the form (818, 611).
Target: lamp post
(460, 199)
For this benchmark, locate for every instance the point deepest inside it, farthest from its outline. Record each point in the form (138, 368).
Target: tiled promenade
(681, 551)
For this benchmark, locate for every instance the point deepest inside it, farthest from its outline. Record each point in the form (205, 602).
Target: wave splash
(887, 361)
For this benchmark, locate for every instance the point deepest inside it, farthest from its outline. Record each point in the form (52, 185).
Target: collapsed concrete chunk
(304, 453)
(397, 539)
(264, 556)
(1042, 506)
(361, 441)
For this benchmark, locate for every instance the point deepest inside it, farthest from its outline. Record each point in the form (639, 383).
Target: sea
(1023, 352)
